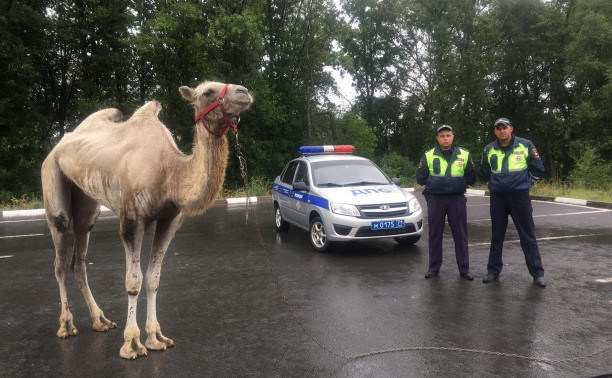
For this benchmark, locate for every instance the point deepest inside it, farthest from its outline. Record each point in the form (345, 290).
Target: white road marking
(19, 236)
(542, 239)
(551, 215)
(24, 220)
(6, 257)
(604, 280)
(44, 220)
(570, 204)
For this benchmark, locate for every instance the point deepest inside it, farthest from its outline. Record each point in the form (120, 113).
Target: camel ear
(187, 93)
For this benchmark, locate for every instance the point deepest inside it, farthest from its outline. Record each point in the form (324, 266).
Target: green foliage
(396, 165)
(258, 186)
(350, 129)
(26, 201)
(591, 171)
(556, 188)
(545, 64)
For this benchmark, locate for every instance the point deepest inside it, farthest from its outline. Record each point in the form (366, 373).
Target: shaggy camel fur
(135, 169)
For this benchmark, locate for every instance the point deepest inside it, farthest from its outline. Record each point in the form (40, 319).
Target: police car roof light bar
(328, 149)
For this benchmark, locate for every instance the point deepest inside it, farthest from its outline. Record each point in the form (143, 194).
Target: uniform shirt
(512, 168)
(444, 182)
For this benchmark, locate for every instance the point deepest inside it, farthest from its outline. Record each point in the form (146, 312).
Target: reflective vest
(512, 160)
(512, 168)
(446, 177)
(438, 166)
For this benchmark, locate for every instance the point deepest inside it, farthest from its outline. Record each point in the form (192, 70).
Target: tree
(23, 122)
(589, 70)
(372, 51)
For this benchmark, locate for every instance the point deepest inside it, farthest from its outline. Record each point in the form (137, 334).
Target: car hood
(369, 194)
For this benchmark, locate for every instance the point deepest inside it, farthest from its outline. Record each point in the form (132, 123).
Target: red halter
(228, 123)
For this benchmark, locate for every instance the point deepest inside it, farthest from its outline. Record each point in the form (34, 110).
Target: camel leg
(56, 195)
(85, 212)
(59, 233)
(132, 232)
(164, 232)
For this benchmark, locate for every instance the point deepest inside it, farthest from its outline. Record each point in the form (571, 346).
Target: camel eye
(209, 93)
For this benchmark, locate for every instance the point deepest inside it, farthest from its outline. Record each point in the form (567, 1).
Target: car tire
(408, 240)
(280, 224)
(318, 236)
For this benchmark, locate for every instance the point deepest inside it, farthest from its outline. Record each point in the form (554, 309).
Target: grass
(261, 187)
(558, 189)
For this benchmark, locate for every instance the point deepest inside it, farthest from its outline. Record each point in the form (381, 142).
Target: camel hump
(150, 108)
(111, 114)
(101, 118)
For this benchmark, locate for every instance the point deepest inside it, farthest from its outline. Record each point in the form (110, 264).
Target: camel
(135, 169)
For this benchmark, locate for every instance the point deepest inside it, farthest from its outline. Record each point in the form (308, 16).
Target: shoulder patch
(535, 152)
(421, 163)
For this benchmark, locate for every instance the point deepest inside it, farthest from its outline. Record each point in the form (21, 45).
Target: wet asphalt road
(220, 303)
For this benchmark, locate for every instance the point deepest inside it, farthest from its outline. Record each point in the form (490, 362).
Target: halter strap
(228, 123)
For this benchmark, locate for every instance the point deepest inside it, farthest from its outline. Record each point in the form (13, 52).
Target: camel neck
(205, 173)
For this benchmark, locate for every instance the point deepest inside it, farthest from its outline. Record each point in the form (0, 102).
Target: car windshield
(338, 173)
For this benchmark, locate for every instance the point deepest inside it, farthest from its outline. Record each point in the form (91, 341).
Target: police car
(337, 196)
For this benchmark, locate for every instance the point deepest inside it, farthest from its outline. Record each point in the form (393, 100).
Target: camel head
(217, 105)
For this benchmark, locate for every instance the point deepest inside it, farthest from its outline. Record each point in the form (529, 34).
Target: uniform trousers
(438, 207)
(518, 206)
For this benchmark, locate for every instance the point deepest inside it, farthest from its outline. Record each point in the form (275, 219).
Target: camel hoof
(63, 333)
(103, 325)
(154, 344)
(132, 349)
(127, 353)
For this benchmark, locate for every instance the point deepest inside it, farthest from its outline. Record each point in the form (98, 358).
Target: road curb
(7, 214)
(565, 200)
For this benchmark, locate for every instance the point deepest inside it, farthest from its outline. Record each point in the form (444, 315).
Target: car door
(299, 198)
(285, 199)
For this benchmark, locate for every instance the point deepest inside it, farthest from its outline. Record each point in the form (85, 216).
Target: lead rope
(244, 174)
(311, 336)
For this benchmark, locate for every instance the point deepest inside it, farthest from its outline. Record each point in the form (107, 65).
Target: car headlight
(344, 209)
(413, 206)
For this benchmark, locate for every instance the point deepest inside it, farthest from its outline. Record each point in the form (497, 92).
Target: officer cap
(444, 127)
(503, 121)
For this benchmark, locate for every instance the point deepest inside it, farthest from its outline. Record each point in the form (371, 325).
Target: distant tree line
(546, 65)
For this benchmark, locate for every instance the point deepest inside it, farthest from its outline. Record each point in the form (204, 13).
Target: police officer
(511, 165)
(445, 171)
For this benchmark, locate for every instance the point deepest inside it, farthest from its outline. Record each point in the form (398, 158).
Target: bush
(258, 186)
(591, 171)
(396, 165)
(26, 201)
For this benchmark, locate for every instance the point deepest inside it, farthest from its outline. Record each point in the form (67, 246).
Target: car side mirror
(301, 186)
(396, 181)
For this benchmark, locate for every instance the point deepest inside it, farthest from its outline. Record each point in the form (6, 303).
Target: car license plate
(384, 225)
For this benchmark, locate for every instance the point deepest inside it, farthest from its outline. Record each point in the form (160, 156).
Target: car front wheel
(318, 237)
(280, 224)
(408, 240)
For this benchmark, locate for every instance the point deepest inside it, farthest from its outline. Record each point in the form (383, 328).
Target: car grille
(375, 211)
(367, 231)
